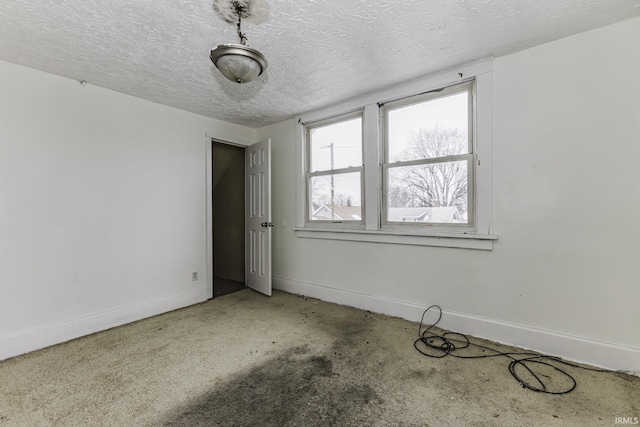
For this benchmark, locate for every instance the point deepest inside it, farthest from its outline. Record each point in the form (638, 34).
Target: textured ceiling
(320, 51)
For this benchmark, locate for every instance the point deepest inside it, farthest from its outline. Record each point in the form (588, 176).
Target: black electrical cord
(431, 344)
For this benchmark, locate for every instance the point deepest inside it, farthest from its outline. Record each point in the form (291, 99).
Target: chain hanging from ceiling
(239, 62)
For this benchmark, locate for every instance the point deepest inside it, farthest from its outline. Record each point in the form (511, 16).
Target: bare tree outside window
(423, 175)
(335, 170)
(434, 184)
(428, 158)
(341, 204)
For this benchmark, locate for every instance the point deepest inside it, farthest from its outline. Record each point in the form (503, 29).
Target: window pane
(335, 197)
(432, 193)
(435, 128)
(336, 146)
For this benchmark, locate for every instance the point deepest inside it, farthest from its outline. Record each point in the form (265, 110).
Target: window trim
(480, 238)
(445, 240)
(468, 86)
(307, 128)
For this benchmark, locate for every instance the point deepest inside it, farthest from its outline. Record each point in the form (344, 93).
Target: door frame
(209, 205)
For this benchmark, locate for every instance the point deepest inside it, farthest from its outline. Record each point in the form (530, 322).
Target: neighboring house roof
(441, 214)
(406, 214)
(340, 212)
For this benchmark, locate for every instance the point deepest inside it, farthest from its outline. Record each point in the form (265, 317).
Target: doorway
(228, 218)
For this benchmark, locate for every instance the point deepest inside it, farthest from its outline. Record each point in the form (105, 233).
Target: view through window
(429, 158)
(424, 165)
(335, 169)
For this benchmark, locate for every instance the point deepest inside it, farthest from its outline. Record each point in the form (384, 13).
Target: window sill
(447, 240)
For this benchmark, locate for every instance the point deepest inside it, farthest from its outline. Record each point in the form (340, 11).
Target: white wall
(102, 207)
(563, 277)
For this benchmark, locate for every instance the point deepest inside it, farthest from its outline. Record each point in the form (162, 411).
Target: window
(412, 165)
(428, 166)
(335, 171)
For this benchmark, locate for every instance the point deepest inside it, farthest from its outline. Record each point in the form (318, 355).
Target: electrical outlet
(194, 276)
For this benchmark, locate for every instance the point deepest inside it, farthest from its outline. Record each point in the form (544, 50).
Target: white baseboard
(24, 342)
(578, 349)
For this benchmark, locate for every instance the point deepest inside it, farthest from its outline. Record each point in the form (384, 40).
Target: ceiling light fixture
(239, 62)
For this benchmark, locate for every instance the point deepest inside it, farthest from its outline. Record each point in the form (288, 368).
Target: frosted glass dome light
(237, 62)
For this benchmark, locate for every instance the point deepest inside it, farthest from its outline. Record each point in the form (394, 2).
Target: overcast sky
(448, 112)
(346, 137)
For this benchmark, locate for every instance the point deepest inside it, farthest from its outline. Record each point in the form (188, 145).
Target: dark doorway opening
(228, 218)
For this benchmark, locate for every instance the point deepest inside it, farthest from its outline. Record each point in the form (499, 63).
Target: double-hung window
(408, 165)
(334, 177)
(428, 164)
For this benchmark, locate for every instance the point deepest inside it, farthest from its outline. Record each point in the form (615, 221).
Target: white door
(258, 179)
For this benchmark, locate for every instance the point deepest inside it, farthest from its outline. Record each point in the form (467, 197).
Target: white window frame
(481, 236)
(308, 127)
(467, 86)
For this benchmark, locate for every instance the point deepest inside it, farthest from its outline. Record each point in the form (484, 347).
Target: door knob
(267, 224)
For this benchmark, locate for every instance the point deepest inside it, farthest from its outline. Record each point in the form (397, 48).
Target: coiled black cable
(431, 344)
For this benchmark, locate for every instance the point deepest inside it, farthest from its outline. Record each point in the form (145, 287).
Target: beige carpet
(247, 360)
